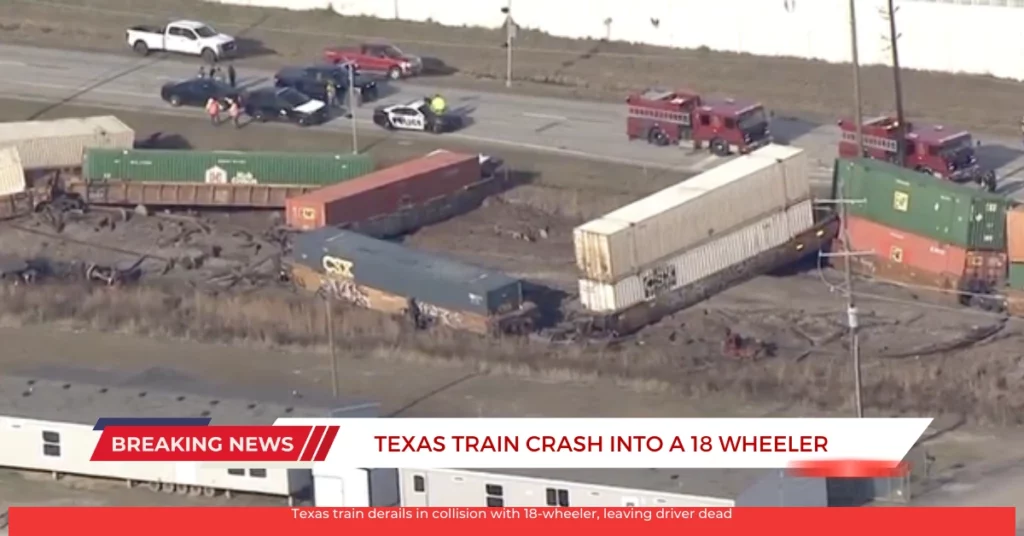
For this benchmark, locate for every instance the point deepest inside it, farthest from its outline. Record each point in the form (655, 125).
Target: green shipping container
(1017, 276)
(224, 167)
(914, 202)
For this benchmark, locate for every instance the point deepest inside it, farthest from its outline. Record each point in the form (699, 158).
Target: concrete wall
(975, 36)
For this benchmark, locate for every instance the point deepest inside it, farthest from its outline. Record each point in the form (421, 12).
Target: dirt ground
(544, 65)
(906, 371)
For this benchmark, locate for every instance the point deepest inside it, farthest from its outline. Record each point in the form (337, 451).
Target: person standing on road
(213, 109)
(332, 95)
(202, 71)
(235, 112)
(232, 74)
(437, 104)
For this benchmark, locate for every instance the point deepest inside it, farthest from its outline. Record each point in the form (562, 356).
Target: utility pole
(851, 304)
(901, 131)
(510, 35)
(328, 309)
(352, 112)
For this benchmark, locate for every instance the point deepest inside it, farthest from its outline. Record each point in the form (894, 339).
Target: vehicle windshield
(957, 145)
(751, 119)
(293, 97)
(205, 32)
(392, 51)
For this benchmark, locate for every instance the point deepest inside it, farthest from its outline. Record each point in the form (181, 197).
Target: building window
(236, 472)
(419, 484)
(258, 473)
(556, 497)
(51, 444)
(495, 495)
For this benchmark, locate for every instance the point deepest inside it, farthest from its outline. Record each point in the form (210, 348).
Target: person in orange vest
(235, 112)
(213, 109)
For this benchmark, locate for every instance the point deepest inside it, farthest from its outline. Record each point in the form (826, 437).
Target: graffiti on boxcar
(337, 267)
(443, 316)
(345, 290)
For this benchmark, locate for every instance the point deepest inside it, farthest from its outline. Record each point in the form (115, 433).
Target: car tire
(259, 117)
(175, 101)
(436, 128)
(209, 56)
(394, 73)
(719, 147)
(141, 48)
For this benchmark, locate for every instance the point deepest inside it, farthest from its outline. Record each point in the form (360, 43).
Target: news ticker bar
(217, 521)
(810, 447)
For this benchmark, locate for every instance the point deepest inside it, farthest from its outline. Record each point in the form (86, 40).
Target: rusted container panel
(915, 252)
(1015, 234)
(988, 266)
(61, 143)
(432, 280)
(712, 204)
(121, 193)
(17, 205)
(12, 174)
(384, 192)
(698, 263)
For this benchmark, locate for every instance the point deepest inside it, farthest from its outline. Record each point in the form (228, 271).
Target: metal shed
(47, 419)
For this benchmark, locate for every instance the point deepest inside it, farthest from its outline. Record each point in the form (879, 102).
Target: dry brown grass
(978, 389)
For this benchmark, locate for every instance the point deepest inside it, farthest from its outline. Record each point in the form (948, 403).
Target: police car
(415, 115)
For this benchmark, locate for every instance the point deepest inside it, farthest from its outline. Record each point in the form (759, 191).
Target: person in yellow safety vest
(437, 104)
(213, 110)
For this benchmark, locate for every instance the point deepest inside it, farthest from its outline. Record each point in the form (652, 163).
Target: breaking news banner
(813, 447)
(217, 521)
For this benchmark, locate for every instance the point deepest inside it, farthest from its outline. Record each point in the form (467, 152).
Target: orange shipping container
(384, 192)
(900, 247)
(1015, 234)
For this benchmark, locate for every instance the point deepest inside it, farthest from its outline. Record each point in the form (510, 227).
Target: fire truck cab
(725, 126)
(933, 149)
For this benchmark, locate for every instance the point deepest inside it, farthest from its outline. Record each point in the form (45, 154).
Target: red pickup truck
(377, 57)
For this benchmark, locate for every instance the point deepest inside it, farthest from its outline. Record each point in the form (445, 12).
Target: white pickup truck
(183, 37)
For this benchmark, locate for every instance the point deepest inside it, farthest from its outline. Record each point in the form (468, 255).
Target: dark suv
(285, 104)
(313, 81)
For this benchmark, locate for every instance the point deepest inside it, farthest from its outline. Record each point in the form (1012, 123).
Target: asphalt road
(575, 128)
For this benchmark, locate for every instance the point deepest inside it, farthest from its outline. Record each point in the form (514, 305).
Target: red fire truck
(724, 126)
(933, 149)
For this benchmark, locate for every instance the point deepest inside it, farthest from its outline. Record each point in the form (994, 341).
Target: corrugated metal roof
(55, 128)
(673, 196)
(12, 174)
(68, 394)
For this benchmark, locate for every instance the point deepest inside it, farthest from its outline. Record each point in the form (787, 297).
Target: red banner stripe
(325, 445)
(850, 469)
(305, 446)
(314, 443)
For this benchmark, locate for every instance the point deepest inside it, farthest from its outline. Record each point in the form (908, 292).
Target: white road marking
(707, 161)
(13, 63)
(73, 88)
(545, 116)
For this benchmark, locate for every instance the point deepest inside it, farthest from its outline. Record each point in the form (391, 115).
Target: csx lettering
(338, 267)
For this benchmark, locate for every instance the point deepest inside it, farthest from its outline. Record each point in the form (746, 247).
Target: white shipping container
(698, 263)
(680, 216)
(60, 143)
(12, 175)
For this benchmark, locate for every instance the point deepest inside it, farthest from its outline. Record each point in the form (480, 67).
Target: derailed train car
(391, 278)
(681, 245)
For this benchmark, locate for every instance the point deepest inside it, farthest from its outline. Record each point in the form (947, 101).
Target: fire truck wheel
(719, 148)
(656, 137)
